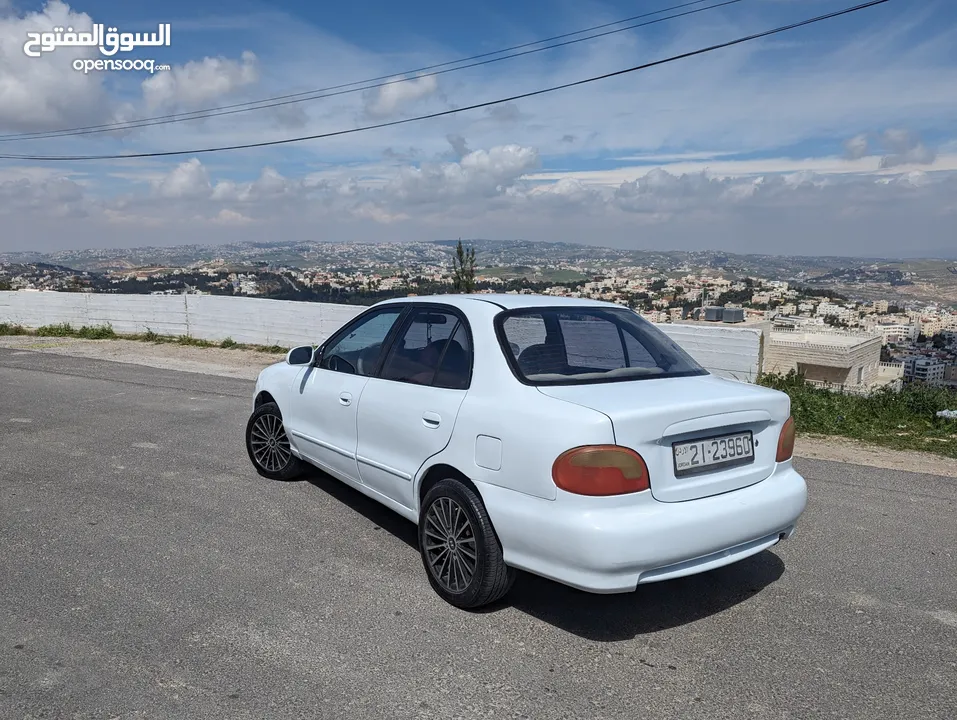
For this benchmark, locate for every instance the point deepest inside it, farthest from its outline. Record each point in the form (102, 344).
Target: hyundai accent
(564, 437)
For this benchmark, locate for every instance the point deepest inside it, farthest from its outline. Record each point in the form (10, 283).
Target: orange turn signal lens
(786, 441)
(601, 470)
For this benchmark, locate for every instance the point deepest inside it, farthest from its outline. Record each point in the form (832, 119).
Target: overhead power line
(372, 83)
(476, 106)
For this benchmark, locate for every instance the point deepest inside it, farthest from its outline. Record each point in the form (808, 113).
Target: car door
(407, 413)
(322, 419)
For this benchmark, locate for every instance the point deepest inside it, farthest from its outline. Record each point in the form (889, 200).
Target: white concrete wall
(208, 317)
(726, 351)
(730, 352)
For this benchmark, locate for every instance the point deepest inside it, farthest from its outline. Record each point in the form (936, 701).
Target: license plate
(713, 453)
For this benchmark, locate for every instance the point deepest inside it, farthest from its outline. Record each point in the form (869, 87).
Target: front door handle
(431, 420)
(345, 398)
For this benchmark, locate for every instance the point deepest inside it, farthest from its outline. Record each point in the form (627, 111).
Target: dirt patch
(247, 364)
(858, 453)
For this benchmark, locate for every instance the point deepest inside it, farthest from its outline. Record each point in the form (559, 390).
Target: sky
(835, 139)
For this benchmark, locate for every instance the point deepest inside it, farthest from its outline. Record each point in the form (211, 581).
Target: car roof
(505, 301)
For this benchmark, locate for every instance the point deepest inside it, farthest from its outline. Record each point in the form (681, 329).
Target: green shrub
(193, 342)
(59, 330)
(905, 419)
(98, 332)
(11, 329)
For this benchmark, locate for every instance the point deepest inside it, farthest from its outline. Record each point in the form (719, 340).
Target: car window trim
(413, 309)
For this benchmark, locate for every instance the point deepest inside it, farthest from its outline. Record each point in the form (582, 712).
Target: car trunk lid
(650, 416)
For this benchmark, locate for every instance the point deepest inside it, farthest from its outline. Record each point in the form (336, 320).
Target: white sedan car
(567, 438)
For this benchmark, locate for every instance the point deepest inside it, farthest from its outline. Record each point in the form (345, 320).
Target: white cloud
(53, 197)
(753, 168)
(487, 195)
(675, 130)
(45, 93)
(230, 217)
(857, 147)
(269, 186)
(395, 97)
(566, 194)
(905, 149)
(187, 180)
(480, 173)
(199, 82)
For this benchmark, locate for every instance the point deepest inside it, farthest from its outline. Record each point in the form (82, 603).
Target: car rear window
(560, 346)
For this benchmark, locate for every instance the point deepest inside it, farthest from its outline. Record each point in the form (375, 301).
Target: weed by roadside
(11, 329)
(86, 332)
(902, 420)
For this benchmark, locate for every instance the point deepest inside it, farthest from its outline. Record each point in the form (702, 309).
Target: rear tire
(460, 550)
(268, 445)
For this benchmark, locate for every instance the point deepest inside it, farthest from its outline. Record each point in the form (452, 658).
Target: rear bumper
(610, 545)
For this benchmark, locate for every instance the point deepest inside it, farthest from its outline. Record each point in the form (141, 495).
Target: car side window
(419, 352)
(455, 369)
(357, 351)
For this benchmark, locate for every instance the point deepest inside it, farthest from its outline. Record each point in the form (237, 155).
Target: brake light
(600, 470)
(786, 441)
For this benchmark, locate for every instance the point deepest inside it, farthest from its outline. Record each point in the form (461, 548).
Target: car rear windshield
(561, 346)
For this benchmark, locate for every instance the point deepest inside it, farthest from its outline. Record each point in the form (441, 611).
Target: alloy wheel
(450, 545)
(269, 444)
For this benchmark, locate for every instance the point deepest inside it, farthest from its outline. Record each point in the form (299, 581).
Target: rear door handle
(431, 420)
(345, 398)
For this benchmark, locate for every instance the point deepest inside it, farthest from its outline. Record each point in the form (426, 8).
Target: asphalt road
(146, 571)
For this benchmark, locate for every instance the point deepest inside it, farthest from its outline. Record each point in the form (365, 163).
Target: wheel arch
(443, 471)
(264, 397)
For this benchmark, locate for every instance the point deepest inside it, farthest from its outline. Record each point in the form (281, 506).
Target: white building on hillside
(924, 369)
(827, 357)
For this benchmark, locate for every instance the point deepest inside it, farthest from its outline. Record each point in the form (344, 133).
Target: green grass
(562, 276)
(193, 342)
(87, 332)
(905, 420)
(106, 332)
(10, 329)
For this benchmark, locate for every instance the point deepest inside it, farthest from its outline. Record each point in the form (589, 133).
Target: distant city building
(897, 333)
(924, 369)
(825, 357)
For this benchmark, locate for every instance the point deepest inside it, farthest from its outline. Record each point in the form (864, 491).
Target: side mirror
(301, 355)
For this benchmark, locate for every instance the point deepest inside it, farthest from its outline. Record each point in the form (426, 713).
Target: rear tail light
(786, 441)
(601, 470)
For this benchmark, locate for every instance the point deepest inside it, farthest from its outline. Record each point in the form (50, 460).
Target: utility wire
(334, 90)
(476, 106)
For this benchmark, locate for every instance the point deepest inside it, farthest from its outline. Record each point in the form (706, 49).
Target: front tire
(459, 548)
(268, 445)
